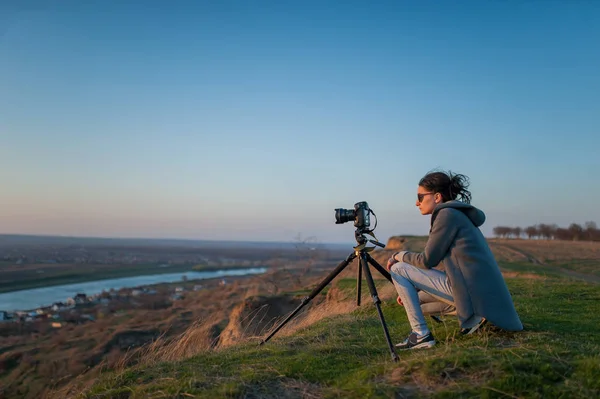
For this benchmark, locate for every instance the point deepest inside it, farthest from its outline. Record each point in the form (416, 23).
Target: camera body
(360, 215)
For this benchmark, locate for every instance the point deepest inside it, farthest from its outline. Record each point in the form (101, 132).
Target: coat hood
(475, 215)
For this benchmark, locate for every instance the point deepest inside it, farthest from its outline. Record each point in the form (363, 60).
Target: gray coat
(456, 243)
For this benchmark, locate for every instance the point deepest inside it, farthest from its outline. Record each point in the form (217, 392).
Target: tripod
(362, 252)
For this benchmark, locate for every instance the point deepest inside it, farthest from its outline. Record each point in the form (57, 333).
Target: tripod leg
(314, 293)
(358, 284)
(365, 266)
(379, 268)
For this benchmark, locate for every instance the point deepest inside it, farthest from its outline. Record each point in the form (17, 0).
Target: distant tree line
(575, 232)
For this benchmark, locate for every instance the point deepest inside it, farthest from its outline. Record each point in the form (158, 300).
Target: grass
(346, 356)
(586, 266)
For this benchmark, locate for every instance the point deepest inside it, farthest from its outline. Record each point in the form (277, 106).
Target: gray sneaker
(414, 342)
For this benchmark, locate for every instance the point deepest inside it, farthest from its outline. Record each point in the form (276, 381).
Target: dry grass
(544, 251)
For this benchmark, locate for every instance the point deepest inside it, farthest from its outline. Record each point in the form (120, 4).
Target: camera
(360, 215)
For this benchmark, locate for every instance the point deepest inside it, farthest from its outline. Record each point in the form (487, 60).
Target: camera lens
(344, 215)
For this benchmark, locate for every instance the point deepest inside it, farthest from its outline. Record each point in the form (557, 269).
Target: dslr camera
(360, 215)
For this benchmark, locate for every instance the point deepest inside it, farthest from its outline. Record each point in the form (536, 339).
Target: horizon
(253, 122)
(305, 240)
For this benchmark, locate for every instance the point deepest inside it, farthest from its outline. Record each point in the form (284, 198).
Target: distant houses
(61, 312)
(58, 306)
(78, 299)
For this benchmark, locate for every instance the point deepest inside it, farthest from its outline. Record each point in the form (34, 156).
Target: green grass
(557, 356)
(586, 266)
(528, 267)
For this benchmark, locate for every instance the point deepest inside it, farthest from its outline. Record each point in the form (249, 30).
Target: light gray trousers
(431, 306)
(417, 286)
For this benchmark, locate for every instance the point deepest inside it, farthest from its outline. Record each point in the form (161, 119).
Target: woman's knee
(400, 268)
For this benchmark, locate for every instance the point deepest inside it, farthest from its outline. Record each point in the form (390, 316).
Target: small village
(82, 308)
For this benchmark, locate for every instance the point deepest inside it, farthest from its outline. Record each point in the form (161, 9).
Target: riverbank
(34, 299)
(56, 275)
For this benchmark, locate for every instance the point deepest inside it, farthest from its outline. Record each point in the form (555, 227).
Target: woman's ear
(437, 198)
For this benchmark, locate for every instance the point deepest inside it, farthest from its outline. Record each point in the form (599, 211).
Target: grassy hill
(344, 354)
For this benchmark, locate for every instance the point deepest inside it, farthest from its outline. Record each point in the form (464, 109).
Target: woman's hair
(450, 186)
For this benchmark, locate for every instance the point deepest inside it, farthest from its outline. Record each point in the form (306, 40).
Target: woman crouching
(470, 279)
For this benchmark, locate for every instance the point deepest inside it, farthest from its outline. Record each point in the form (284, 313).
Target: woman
(472, 281)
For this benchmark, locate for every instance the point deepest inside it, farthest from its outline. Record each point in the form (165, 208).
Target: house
(3, 315)
(58, 306)
(136, 292)
(80, 299)
(179, 289)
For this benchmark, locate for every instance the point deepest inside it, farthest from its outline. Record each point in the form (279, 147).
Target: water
(38, 297)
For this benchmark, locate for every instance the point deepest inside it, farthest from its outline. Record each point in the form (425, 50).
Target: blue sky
(254, 120)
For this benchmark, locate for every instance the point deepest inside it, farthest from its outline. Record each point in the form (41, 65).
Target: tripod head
(362, 241)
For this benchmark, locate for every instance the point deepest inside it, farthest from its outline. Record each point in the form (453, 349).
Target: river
(37, 297)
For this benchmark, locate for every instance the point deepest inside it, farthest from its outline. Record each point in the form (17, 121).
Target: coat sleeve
(443, 233)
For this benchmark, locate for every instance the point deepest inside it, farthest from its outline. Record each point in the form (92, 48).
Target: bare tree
(562, 234)
(517, 232)
(576, 231)
(531, 232)
(591, 231)
(502, 231)
(546, 230)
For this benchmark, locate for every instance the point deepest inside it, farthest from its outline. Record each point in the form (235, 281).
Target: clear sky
(253, 120)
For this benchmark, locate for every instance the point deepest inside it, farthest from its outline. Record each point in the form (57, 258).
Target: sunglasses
(421, 196)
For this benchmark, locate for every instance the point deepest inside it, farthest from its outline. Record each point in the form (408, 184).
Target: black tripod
(361, 251)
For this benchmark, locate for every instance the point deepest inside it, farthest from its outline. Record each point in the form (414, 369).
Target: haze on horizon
(254, 121)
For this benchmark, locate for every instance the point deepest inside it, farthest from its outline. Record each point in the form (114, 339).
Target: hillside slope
(336, 349)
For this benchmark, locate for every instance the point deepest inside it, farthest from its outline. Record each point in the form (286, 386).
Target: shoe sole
(476, 328)
(427, 344)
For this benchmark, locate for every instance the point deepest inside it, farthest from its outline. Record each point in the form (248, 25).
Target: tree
(576, 231)
(531, 232)
(546, 230)
(502, 231)
(517, 232)
(562, 234)
(591, 231)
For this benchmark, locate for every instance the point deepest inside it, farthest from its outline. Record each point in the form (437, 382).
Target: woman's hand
(391, 261)
(396, 257)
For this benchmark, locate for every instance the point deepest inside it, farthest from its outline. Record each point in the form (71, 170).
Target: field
(335, 349)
